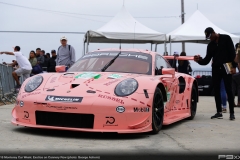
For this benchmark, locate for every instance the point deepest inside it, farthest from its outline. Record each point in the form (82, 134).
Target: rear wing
(179, 57)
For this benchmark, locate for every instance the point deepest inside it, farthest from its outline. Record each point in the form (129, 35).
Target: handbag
(37, 69)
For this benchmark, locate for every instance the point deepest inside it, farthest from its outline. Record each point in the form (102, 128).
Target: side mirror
(60, 69)
(170, 71)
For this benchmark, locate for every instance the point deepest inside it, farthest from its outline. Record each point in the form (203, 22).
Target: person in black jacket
(220, 50)
(52, 62)
(183, 64)
(173, 62)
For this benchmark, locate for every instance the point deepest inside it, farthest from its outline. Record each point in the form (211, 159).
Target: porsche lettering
(114, 54)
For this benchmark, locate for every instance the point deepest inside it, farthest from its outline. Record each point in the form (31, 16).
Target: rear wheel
(157, 111)
(193, 103)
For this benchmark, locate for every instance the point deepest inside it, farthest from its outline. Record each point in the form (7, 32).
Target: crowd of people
(39, 62)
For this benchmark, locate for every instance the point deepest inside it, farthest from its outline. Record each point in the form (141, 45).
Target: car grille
(72, 120)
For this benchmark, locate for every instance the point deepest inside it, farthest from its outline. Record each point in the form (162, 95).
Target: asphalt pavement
(187, 137)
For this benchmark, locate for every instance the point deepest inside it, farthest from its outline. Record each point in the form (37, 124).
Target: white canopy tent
(123, 28)
(193, 30)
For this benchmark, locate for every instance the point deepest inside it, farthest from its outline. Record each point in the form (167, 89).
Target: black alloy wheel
(157, 111)
(193, 106)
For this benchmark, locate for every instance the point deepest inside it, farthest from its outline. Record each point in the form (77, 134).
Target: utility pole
(182, 17)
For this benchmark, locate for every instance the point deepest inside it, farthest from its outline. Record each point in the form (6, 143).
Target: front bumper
(106, 118)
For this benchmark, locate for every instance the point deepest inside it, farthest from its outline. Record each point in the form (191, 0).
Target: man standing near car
(25, 67)
(40, 58)
(52, 62)
(65, 54)
(220, 50)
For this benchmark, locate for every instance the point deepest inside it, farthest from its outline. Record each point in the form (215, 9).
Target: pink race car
(112, 90)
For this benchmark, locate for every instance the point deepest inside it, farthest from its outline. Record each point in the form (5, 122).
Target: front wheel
(157, 111)
(193, 103)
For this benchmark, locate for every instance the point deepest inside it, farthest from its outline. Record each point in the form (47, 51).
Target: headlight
(33, 83)
(126, 87)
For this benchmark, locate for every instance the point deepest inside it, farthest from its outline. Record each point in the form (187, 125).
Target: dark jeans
(219, 73)
(223, 94)
(236, 85)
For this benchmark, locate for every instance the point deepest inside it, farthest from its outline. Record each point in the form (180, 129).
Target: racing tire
(157, 111)
(193, 106)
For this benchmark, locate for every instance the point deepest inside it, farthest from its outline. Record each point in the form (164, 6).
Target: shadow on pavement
(78, 134)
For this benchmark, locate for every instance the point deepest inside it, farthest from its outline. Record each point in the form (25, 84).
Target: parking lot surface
(201, 135)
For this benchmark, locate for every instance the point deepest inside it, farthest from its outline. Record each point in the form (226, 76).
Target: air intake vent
(68, 73)
(74, 85)
(72, 120)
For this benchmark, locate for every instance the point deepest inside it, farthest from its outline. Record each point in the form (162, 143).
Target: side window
(160, 63)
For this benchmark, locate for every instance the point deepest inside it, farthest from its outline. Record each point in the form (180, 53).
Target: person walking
(52, 62)
(25, 67)
(65, 54)
(221, 50)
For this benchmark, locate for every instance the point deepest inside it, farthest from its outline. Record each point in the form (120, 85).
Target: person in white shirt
(25, 66)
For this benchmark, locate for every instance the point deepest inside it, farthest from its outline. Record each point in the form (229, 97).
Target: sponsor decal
(110, 121)
(21, 104)
(111, 82)
(140, 109)
(30, 94)
(63, 99)
(111, 98)
(26, 115)
(120, 109)
(88, 75)
(114, 76)
(61, 107)
(168, 96)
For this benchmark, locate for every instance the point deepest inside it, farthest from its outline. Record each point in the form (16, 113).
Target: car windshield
(127, 62)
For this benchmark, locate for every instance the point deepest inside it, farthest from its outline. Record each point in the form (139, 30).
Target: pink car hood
(80, 82)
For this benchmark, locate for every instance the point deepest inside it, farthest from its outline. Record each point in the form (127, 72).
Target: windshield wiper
(110, 63)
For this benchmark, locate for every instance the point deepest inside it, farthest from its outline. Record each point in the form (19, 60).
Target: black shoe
(217, 115)
(232, 117)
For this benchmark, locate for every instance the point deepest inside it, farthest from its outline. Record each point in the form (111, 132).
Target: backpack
(69, 47)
